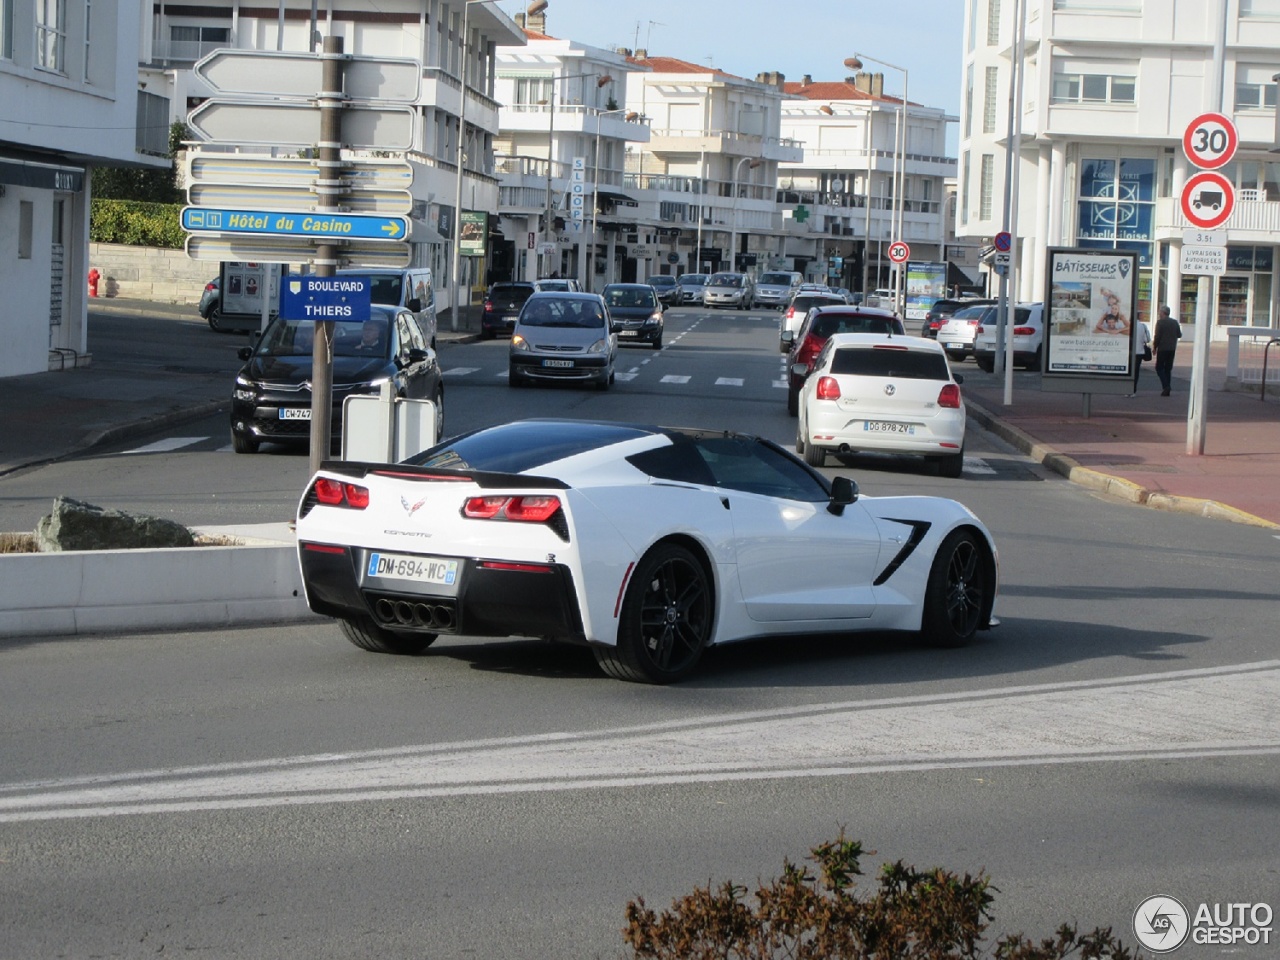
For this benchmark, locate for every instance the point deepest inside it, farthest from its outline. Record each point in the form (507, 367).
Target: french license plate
(557, 363)
(628, 333)
(295, 413)
(883, 426)
(397, 566)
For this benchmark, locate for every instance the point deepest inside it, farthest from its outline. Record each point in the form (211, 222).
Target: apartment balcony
(674, 142)
(1253, 220)
(444, 91)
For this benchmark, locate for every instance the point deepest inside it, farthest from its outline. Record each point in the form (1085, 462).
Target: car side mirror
(615, 326)
(788, 337)
(418, 355)
(844, 491)
(800, 370)
(245, 353)
(415, 305)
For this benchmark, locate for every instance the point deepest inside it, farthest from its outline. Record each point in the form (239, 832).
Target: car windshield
(776, 279)
(562, 285)
(384, 288)
(804, 302)
(693, 279)
(511, 292)
(629, 296)
(287, 338)
(725, 280)
(882, 362)
(662, 281)
(553, 312)
(523, 445)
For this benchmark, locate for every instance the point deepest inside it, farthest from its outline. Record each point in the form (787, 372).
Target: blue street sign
(291, 223)
(308, 297)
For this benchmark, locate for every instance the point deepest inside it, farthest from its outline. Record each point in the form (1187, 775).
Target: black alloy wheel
(960, 582)
(666, 619)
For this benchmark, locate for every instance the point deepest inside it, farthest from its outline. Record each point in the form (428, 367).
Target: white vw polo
(884, 393)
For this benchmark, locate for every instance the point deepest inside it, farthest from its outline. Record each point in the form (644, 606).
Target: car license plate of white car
(557, 363)
(295, 413)
(884, 426)
(398, 566)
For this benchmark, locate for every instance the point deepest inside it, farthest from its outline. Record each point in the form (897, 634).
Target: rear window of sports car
(526, 445)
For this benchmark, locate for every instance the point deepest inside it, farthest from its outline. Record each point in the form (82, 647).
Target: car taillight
(1024, 331)
(950, 397)
(526, 509)
(973, 323)
(980, 328)
(809, 349)
(828, 389)
(335, 493)
(210, 286)
(791, 312)
(488, 306)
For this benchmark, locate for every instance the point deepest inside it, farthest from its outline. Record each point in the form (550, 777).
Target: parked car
(271, 402)
(956, 334)
(775, 289)
(1028, 337)
(667, 288)
(502, 305)
(729, 290)
(692, 287)
(943, 310)
(872, 392)
(636, 313)
(821, 323)
(563, 337)
(644, 544)
(559, 284)
(211, 304)
(798, 309)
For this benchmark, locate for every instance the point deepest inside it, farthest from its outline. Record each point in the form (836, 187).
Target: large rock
(74, 525)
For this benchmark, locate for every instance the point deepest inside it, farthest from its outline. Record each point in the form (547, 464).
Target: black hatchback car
(502, 305)
(636, 312)
(271, 402)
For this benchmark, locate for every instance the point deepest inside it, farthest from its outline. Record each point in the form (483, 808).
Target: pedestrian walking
(1165, 344)
(1141, 351)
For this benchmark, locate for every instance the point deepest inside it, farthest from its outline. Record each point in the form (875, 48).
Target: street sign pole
(328, 190)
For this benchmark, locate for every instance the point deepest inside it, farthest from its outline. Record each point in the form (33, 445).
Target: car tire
(665, 620)
(513, 378)
(242, 444)
(986, 366)
(800, 441)
(793, 401)
(486, 334)
(815, 456)
(958, 591)
(214, 319)
(952, 466)
(367, 635)
(657, 344)
(1036, 361)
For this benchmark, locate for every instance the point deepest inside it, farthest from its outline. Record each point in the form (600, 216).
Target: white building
(1109, 88)
(561, 149)
(72, 101)
(430, 31)
(840, 202)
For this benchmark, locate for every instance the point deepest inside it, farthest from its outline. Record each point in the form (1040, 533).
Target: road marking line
(625, 376)
(728, 381)
(977, 465)
(1178, 715)
(458, 371)
(674, 378)
(164, 446)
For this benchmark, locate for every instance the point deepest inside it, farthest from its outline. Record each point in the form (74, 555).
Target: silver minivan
(566, 337)
(776, 288)
(729, 290)
(411, 288)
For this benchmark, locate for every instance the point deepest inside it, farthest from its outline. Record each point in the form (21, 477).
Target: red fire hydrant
(94, 277)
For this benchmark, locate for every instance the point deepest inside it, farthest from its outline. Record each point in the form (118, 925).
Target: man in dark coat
(1165, 344)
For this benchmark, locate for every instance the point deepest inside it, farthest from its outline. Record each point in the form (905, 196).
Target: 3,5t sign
(1210, 141)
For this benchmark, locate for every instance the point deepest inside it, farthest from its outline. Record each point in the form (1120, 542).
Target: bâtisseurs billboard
(1091, 324)
(926, 284)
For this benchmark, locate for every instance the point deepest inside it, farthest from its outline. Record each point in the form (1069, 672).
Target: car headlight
(655, 318)
(244, 389)
(519, 343)
(598, 347)
(371, 386)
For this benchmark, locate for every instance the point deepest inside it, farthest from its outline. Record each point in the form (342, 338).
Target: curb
(1105, 483)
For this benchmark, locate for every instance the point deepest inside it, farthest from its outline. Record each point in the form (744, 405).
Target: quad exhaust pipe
(405, 613)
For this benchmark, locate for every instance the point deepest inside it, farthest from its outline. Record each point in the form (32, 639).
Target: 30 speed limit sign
(1210, 141)
(899, 252)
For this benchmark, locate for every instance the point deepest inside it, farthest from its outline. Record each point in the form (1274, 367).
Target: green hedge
(137, 224)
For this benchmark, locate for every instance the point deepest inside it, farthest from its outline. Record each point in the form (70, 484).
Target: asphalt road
(278, 793)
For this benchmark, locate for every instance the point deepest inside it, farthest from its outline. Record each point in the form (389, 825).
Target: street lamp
(631, 116)
(461, 158)
(733, 213)
(899, 161)
(602, 79)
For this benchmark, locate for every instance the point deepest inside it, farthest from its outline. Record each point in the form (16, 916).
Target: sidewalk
(1130, 448)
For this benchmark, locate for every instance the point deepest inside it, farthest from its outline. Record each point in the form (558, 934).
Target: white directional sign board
(295, 249)
(282, 122)
(295, 197)
(358, 173)
(264, 73)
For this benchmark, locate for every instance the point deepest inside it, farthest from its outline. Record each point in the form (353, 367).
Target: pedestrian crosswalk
(629, 374)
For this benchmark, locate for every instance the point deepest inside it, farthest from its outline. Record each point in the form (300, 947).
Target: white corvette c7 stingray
(646, 543)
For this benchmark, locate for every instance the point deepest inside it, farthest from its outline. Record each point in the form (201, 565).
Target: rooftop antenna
(648, 37)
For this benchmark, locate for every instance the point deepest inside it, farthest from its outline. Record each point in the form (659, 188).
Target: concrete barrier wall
(149, 273)
(115, 591)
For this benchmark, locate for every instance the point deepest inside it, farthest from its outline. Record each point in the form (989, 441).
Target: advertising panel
(926, 283)
(1092, 300)
(245, 284)
(475, 231)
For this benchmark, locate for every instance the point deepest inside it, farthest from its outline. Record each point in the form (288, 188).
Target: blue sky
(747, 37)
